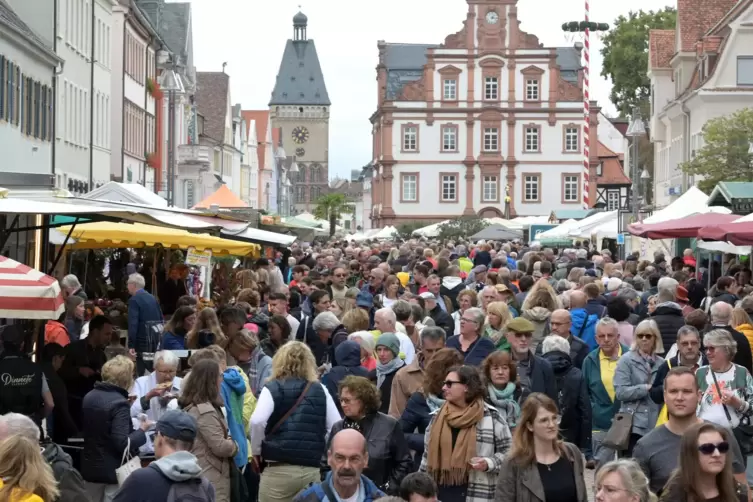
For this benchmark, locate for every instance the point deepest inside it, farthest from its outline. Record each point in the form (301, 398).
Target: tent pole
(62, 248)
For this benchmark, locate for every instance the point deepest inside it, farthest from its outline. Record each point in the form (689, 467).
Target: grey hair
(633, 478)
(563, 285)
(168, 357)
(433, 333)
(721, 312)
(402, 309)
(627, 293)
(607, 322)
(16, 423)
(553, 343)
(649, 325)
(137, 280)
(70, 281)
(667, 289)
(417, 313)
(387, 313)
(366, 338)
(478, 316)
(581, 254)
(326, 321)
(721, 338)
(688, 330)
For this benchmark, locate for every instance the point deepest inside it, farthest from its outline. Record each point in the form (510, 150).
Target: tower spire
(300, 23)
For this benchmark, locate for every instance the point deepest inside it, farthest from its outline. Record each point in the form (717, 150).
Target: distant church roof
(300, 80)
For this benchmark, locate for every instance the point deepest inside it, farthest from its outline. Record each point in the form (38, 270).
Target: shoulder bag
(618, 435)
(128, 464)
(743, 433)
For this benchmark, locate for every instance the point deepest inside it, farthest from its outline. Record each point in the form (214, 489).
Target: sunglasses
(449, 383)
(708, 448)
(645, 336)
(523, 335)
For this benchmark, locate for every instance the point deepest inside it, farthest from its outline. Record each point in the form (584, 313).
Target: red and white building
(487, 112)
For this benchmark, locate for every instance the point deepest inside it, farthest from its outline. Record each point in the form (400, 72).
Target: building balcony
(194, 154)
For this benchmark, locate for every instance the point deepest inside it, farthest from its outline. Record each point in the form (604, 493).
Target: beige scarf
(448, 465)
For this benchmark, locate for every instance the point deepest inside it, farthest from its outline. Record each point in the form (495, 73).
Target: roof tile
(612, 172)
(211, 101)
(661, 48)
(300, 80)
(696, 17)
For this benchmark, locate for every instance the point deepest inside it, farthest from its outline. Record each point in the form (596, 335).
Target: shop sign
(196, 258)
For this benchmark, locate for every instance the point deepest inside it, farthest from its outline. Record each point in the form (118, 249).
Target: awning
(101, 235)
(28, 293)
(260, 236)
(680, 228)
(739, 234)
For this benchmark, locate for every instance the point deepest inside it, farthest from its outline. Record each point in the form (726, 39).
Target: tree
(625, 54)
(461, 228)
(724, 155)
(405, 230)
(331, 207)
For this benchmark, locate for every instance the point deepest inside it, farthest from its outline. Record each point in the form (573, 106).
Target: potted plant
(150, 86)
(152, 160)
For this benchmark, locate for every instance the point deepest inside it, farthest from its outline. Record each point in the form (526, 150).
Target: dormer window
(745, 71)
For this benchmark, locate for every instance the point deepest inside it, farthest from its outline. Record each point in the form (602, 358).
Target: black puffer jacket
(107, 427)
(389, 456)
(572, 399)
(668, 317)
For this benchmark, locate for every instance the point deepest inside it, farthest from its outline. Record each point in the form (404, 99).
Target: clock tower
(300, 107)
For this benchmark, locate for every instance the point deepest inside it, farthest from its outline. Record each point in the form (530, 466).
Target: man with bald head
(583, 324)
(560, 324)
(721, 317)
(347, 457)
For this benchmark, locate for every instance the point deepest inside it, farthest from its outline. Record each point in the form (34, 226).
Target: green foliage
(625, 54)
(405, 230)
(331, 207)
(724, 156)
(580, 27)
(461, 228)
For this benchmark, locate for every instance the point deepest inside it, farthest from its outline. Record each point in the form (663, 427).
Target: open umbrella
(679, 228)
(28, 293)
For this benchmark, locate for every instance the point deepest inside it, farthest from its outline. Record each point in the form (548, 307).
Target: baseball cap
(428, 296)
(177, 424)
(365, 299)
(12, 333)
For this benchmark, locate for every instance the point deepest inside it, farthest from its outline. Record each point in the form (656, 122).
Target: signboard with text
(538, 229)
(198, 258)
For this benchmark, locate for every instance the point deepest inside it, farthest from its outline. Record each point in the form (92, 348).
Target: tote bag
(128, 464)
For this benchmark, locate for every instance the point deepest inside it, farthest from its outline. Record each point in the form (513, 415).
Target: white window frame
(570, 190)
(410, 138)
(532, 184)
(449, 139)
(613, 200)
(450, 89)
(490, 189)
(533, 92)
(532, 139)
(491, 139)
(491, 88)
(572, 137)
(449, 188)
(409, 182)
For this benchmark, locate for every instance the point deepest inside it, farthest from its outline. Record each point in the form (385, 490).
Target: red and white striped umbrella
(26, 293)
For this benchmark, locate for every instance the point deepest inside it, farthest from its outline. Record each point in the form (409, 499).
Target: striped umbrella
(26, 293)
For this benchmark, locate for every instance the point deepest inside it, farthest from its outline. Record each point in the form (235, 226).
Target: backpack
(193, 490)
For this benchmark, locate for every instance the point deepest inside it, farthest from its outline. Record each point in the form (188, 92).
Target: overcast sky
(250, 36)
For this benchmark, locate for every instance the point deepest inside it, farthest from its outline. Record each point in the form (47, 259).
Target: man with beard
(347, 456)
(658, 451)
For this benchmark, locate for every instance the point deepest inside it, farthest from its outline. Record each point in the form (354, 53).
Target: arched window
(300, 176)
(315, 193)
(315, 173)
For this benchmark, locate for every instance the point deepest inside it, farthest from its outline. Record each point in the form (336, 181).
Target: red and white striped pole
(586, 109)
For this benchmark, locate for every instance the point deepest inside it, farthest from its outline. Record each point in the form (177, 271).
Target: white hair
(168, 357)
(12, 424)
(367, 339)
(721, 339)
(553, 343)
(667, 289)
(581, 254)
(326, 321)
(387, 314)
(609, 323)
(721, 312)
(70, 281)
(137, 280)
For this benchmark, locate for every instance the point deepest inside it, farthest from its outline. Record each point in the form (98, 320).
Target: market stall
(686, 227)
(28, 293)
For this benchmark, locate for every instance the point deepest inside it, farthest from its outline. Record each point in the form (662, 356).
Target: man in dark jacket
(23, 386)
(440, 317)
(70, 483)
(560, 324)
(145, 321)
(534, 373)
(572, 392)
(176, 468)
(595, 304)
(668, 314)
(688, 354)
(721, 316)
(348, 357)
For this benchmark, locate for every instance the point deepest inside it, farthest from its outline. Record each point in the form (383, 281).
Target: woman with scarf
(422, 404)
(503, 392)
(389, 455)
(497, 317)
(388, 363)
(466, 441)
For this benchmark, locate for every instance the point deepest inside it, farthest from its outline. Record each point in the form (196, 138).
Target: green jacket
(602, 407)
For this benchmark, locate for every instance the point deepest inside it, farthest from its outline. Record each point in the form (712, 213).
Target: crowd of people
(417, 370)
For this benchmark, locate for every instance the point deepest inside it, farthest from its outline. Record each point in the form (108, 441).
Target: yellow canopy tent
(100, 235)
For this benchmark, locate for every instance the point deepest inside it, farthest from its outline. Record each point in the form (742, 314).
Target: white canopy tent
(520, 223)
(559, 232)
(691, 202)
(585, 226)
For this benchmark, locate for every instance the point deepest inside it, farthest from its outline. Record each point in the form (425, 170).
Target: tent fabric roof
(261, 236)
(725, 191)
(496, 233)
(126, 192)
(739, 233)
(691, 202)
(222, 197)
(684, 227)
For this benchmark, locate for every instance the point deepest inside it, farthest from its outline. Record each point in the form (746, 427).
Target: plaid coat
(493, 441)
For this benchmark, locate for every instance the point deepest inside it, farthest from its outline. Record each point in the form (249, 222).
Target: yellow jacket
(249, 403)
(747, 330)
(18, 496)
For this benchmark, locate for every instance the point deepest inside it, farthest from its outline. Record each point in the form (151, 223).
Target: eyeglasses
(608, 489)
(463, 319)
(556, 420)
(523, 335)
(645, 336)
(449, 383)
(709, 448)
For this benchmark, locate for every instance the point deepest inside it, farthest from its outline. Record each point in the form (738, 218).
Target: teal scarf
(503, 400)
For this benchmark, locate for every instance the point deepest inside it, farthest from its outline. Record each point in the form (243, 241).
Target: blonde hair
(206, 319)
(542, 294)
(242, 341)
(650, 326)
(740, 317)
(118, 371)
(633, 478)
(356, 320)
(501, 310)
(294, 360)
(24, 471)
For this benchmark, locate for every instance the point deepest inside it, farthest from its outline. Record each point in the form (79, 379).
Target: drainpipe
(686, 144)
(53, 115)
(91, 98)
(126, 17)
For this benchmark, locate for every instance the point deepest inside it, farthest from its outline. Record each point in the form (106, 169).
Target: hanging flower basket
(152, 160)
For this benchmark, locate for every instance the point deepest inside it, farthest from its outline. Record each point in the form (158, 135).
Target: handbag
(618, 435)
(743, 433)
(128, 464)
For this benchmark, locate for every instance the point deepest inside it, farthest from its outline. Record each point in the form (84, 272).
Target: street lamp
(171, 82)
(636, 130)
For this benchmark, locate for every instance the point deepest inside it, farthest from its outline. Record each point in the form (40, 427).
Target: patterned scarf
(503, 400)
(448, 465)
(385, 369)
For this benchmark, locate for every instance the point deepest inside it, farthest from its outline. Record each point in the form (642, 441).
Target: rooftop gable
(696, 17)
(661, 48)
(212, 102)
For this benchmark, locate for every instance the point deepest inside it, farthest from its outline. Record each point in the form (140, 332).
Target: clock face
(300, 135)
(492, 17)
(300, 152)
